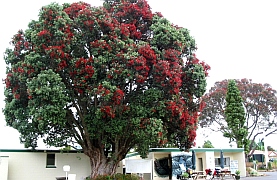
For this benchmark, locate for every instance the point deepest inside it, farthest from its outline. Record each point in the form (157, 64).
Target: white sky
(237, 38)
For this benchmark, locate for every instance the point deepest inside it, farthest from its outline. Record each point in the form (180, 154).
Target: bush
(262, 167)
(186, 175)
(274, 163)
(253, 173)
(116, 177)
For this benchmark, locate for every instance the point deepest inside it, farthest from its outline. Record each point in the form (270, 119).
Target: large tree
(260, 103)
(235, 117)
(107, 78)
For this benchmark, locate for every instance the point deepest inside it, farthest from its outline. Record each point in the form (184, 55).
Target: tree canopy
(106, 78)
(207, 144)
(260, 103)
(235, 117)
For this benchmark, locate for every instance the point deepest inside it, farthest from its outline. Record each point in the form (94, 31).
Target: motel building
(161, 163)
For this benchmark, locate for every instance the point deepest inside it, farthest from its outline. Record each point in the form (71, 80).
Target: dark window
(50, 161)
(226, 162)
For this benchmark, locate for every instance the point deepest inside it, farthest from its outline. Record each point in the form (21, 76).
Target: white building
(166, 161)
(25, 164)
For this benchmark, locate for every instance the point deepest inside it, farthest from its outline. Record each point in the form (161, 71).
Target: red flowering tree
(260, 103)
(106, 78)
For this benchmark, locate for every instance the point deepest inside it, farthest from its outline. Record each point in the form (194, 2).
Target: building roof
(195, 149)
(130, 154)
(40, 150)
(272, 154)
(258, 152)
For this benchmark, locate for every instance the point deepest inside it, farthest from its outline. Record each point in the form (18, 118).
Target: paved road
(269, 176)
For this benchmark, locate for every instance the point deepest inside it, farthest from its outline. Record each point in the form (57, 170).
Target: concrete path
(268, 176)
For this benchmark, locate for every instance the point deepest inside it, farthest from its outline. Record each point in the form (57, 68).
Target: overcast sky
(237, 38)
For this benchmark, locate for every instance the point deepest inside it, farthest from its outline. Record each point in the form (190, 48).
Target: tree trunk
(100, 164)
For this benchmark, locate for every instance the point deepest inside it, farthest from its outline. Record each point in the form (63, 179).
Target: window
(226, 162)
(50, 161)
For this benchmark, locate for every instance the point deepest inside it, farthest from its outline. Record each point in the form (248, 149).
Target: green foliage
(262, 167)
(269, 148)
(185, 175)
(253, 173)
(105, 78)
(207, 144)
(235, 117)
(274, 163)
(259, 145)
(260, 103)
(65, 149)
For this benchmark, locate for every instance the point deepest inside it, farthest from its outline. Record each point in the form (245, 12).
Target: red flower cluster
(148, 53)
(173, 55)
(75, 8)
(62, 65)
(81, 74)
(68, 32)
(55, 52)
(102, 90)
(8, 80)
(101, 45)
(141, 9)
(84, 71)
(43, 33)
(161, 71)
(136, 16)
(124, 30)
(175, 108)
(195, 60)
(20, 44)
(141, 68)
(117, 96)
(108, 111)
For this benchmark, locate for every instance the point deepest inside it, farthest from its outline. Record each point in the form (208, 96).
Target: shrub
(116, 177)
(186, 175)
(275, 163)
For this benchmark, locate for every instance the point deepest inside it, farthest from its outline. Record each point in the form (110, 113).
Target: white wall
(209, 159)
(4, 162)
(241, 163)
(32, 165)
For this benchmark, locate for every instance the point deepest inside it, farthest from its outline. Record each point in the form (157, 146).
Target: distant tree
(207, 144)
(235, 117)
(269, 148)
(258, 146)
(259, 100)
(107, 79)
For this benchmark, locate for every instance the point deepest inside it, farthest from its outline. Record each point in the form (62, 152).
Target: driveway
(268, 176)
